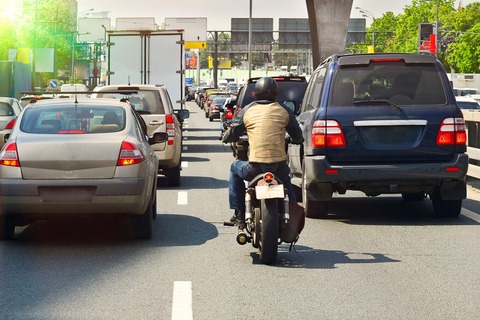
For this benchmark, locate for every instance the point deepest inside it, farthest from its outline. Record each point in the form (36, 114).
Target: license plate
(270, 191)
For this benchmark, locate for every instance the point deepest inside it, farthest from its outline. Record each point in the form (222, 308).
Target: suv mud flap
(320, 191)
(453, 190)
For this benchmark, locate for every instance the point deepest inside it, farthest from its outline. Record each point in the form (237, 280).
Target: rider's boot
(238, 219)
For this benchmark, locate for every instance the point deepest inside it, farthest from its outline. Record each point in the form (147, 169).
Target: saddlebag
(291, 231)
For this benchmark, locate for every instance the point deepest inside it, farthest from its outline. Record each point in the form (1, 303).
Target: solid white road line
(182, 301)
(184, 164)
(182, 198)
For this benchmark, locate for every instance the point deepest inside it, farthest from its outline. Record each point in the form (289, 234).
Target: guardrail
(472, 122)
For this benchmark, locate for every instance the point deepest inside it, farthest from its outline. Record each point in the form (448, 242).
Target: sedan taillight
(9, 156)
(452, 131)
(129, 154)
(10, 125)
(327, 133)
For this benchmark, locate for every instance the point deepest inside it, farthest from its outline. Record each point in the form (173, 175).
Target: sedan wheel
(7, 228)
(143, 224)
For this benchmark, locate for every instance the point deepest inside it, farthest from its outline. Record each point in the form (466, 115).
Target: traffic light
(424, 31)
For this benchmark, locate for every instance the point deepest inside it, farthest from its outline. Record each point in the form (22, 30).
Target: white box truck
(148, 57)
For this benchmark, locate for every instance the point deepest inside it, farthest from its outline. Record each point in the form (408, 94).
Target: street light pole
(250, 42)
(368, 14)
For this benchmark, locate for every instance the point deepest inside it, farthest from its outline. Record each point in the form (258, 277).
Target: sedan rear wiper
(376, 101)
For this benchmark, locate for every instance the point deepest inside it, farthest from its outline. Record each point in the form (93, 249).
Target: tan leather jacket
(266, 124)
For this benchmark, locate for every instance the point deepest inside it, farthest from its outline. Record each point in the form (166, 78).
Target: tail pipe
(242, 237)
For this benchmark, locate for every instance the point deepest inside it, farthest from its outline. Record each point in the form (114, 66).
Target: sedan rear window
(73, 120)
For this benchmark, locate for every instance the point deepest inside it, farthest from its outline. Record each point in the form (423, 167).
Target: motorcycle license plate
(270, 192)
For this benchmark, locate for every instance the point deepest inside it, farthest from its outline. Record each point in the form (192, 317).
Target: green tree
(42, 24)
(461, 38)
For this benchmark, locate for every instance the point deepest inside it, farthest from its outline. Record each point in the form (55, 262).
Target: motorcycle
(270, 218)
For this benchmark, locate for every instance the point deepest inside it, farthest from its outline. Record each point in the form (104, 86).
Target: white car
(467, 103)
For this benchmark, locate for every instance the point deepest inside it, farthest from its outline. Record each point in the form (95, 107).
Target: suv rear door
(390, 109)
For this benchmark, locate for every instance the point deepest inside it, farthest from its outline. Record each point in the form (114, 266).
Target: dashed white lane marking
(470, 214)
(184, 164)
(182, 301)
(182, 198)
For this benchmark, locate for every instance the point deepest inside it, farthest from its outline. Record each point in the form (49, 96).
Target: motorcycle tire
(269, 231)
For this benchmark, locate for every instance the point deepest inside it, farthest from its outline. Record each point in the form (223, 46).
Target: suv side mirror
(183, 114)
(158, 137)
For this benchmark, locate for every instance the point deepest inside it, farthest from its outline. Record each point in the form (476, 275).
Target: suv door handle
(155, 123)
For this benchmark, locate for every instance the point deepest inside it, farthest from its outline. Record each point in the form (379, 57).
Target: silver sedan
(78, 158)
(10, 108)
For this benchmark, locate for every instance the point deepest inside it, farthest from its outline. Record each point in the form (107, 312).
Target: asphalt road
(375, 258)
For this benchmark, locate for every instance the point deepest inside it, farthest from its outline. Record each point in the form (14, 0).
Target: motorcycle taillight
(268, 177)
(229, 114)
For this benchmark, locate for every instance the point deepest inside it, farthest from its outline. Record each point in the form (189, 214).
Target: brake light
(386, 60)
(452, 131)
(9, 156)
(268, 177)
(10, 125)
(170, 129)
(229, 114)
(129, 154)
(327, 133)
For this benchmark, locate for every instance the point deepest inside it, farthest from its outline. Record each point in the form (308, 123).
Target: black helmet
(266, 89)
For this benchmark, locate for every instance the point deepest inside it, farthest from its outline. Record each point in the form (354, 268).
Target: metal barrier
(472, 121)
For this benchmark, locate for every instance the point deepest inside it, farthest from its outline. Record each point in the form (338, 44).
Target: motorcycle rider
(266, 123)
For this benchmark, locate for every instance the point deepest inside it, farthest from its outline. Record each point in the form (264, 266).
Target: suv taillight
(170, 129)
(452, 131)
(129, 154)
(327, 133)
(9, 156)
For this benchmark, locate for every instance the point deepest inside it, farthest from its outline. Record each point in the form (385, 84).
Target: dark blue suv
(381, 124)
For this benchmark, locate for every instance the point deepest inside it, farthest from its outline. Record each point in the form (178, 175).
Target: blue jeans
(241, 170)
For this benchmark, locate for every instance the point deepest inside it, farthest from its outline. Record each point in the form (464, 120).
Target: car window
(397, 83)
(313, 99)
(68, 120)
(6, 109)
(144, 101)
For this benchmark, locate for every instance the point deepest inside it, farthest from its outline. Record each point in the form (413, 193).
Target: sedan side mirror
(158, 137)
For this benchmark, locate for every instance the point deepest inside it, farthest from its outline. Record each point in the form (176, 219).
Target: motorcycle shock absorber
(248, 206)
(286, 213)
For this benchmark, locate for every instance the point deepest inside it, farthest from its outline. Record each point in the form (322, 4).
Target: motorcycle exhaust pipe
(242, 237)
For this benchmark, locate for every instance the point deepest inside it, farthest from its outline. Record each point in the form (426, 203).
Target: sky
(220, 12)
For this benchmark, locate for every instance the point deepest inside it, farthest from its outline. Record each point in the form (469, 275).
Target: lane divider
(182, 300)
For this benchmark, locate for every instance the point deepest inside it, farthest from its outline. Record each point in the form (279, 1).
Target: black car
(291, 90)
(381, 124)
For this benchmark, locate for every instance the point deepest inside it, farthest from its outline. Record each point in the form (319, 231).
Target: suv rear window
(143, 101)
(391, 82)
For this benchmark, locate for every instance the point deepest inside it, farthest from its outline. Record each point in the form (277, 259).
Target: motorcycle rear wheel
(269, 231)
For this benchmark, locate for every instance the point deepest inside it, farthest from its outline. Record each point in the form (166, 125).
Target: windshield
(394, 83)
